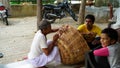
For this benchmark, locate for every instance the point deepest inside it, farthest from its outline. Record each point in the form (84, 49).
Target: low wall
(101, 13)
(23, 10)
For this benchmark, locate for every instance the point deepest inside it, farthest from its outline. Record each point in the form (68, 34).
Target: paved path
(15, 39)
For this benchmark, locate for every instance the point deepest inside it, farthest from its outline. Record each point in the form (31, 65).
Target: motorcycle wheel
(48, 17)
(5, 20)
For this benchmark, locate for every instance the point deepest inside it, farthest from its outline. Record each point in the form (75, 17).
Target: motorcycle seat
(49, 6)
(57, 8)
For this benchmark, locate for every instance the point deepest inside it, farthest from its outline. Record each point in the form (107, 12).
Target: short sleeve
(81, 27)
(43, 42)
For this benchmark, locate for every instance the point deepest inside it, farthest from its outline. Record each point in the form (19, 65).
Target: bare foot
(24, 58)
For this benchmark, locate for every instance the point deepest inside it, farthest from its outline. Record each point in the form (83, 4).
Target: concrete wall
(101, 13)
(23, 10)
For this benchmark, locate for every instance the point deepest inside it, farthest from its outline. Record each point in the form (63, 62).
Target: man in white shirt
(43, 51)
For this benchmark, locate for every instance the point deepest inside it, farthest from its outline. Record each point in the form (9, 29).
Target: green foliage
(12, 2)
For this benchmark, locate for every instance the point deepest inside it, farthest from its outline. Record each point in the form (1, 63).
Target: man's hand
(96, 41)
(92, 33)
(55, 37)
(63, 29)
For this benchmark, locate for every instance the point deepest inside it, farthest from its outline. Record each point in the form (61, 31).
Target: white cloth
(20, 64)
(39, 61)
(38, 43)
(42, 60)
(117, 17)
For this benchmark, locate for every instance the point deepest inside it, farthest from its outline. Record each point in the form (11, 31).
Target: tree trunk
(111, 11)
(82, 12)
(39, 12)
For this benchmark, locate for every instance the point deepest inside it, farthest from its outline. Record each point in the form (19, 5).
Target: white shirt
(38, 43)
(117, 17)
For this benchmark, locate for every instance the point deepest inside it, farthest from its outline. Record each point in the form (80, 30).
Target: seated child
(110, 49)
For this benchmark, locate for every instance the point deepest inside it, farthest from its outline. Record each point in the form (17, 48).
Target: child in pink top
(110, 50)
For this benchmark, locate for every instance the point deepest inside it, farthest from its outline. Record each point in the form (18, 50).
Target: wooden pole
(111, 10)
(39, 12)
(81, 12)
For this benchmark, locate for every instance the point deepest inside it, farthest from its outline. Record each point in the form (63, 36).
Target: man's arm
(54, 30)
(48, 50)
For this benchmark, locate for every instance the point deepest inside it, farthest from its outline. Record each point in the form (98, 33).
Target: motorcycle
(53, 12)
(3, 14)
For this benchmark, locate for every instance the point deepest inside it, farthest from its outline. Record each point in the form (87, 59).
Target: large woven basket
(72, 46)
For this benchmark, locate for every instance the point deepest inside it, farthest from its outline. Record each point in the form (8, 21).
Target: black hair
(90, 16)
(112, 33)
(44, 24)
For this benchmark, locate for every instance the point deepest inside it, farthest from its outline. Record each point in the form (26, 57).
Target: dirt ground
(15, 39)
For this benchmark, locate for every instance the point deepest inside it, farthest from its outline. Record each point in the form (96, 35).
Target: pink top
(101, 52)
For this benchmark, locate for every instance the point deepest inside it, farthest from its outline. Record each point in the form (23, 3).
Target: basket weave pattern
(72, 46)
